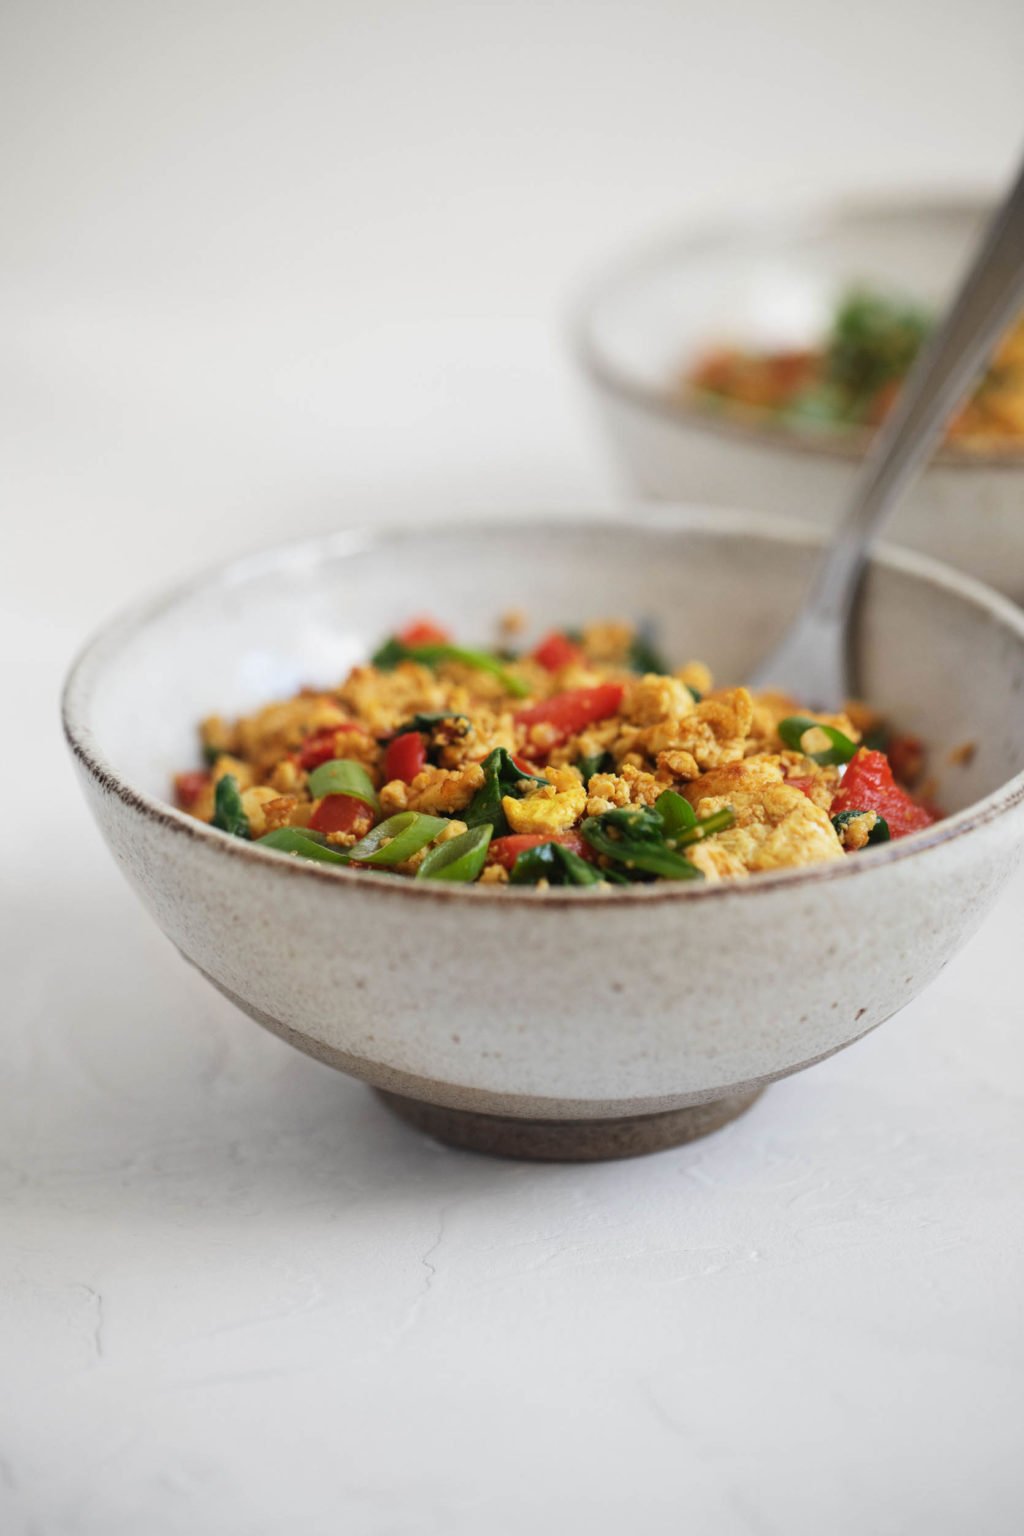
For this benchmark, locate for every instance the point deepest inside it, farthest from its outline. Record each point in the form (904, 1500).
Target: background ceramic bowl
(777, 285)
(558, 1023)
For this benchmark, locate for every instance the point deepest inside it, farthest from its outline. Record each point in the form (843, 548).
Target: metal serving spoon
(813, 662)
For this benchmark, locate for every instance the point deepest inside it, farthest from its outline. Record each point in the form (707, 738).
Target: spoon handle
(988, 299)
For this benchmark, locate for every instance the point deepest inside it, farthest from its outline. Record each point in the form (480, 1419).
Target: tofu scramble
(584, 761)
(853, 376)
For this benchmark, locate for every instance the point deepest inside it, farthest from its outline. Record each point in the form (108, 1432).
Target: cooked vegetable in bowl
(583, 761)
(852, 377)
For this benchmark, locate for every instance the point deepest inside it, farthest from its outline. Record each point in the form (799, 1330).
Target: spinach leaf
(644, 655)
(501, 777)
(677, 815)
(388, 655)
(879, 832)
(874, 340)
(425, 724)
(645, 837)
(595, 762)
(635, 837)
(438, 730)
(554, 863)
(228, 811)
(877, 739)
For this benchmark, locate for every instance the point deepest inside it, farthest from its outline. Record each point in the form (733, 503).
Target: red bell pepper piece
(321, 746)
(556, 651)
(405, 756)
(570, 712)
(805, 784)
(341, 813)
(505, 850)
(423, 631)
(906, 758)
(868, 785)
(189, 786)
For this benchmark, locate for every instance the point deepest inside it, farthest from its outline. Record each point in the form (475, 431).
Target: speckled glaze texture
(642, 323)
(565, 1005)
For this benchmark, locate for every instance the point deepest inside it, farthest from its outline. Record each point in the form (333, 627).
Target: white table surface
(271, 269)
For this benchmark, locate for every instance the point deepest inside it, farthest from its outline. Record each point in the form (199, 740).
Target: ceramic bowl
(556, 1023)
(776, 284)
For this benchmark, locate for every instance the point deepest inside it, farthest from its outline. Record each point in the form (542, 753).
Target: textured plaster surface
(258, 278)
(237, 1295)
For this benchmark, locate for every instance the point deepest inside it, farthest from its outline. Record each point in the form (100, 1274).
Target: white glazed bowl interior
(777, 284)
(562, 1002)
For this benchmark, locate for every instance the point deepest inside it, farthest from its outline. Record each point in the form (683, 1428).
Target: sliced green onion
(298, 840)
(461, 858)
(879, 832)
(397, 839)
(794, 728)
(718, 821)
(677, 815)
(228, 811)
(554, 863)
(342, 776)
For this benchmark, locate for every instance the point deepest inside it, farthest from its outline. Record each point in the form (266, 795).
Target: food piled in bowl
(585, 761)
(852, 378)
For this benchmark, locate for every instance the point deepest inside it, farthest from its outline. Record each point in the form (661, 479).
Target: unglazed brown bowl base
(567, 1141)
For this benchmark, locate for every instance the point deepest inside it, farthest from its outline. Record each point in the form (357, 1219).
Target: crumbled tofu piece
(697, 676)
(551, 807)
(238, 769)
(630, 786)
(855, 834)
(964, 754)
(268, 735)
(714, 732)
(780, 829)
(255, 804)
(512, 622)
(676, 763)
(653, 698)
(608, 642)
(217, 736)
(437, 791)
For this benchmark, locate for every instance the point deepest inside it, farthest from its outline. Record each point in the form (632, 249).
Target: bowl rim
(635, 264)
(87, 666)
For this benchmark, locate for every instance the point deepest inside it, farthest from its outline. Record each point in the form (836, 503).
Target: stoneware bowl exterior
(777, 285)
(566, 1008)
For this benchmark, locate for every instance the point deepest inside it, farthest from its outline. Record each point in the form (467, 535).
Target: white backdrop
(268, 269)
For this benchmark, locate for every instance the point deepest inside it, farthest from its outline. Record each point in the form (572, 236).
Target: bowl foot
(567, 1141)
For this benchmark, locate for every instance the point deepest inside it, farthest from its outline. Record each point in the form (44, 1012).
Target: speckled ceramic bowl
(775, 282)
(562, 1023)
